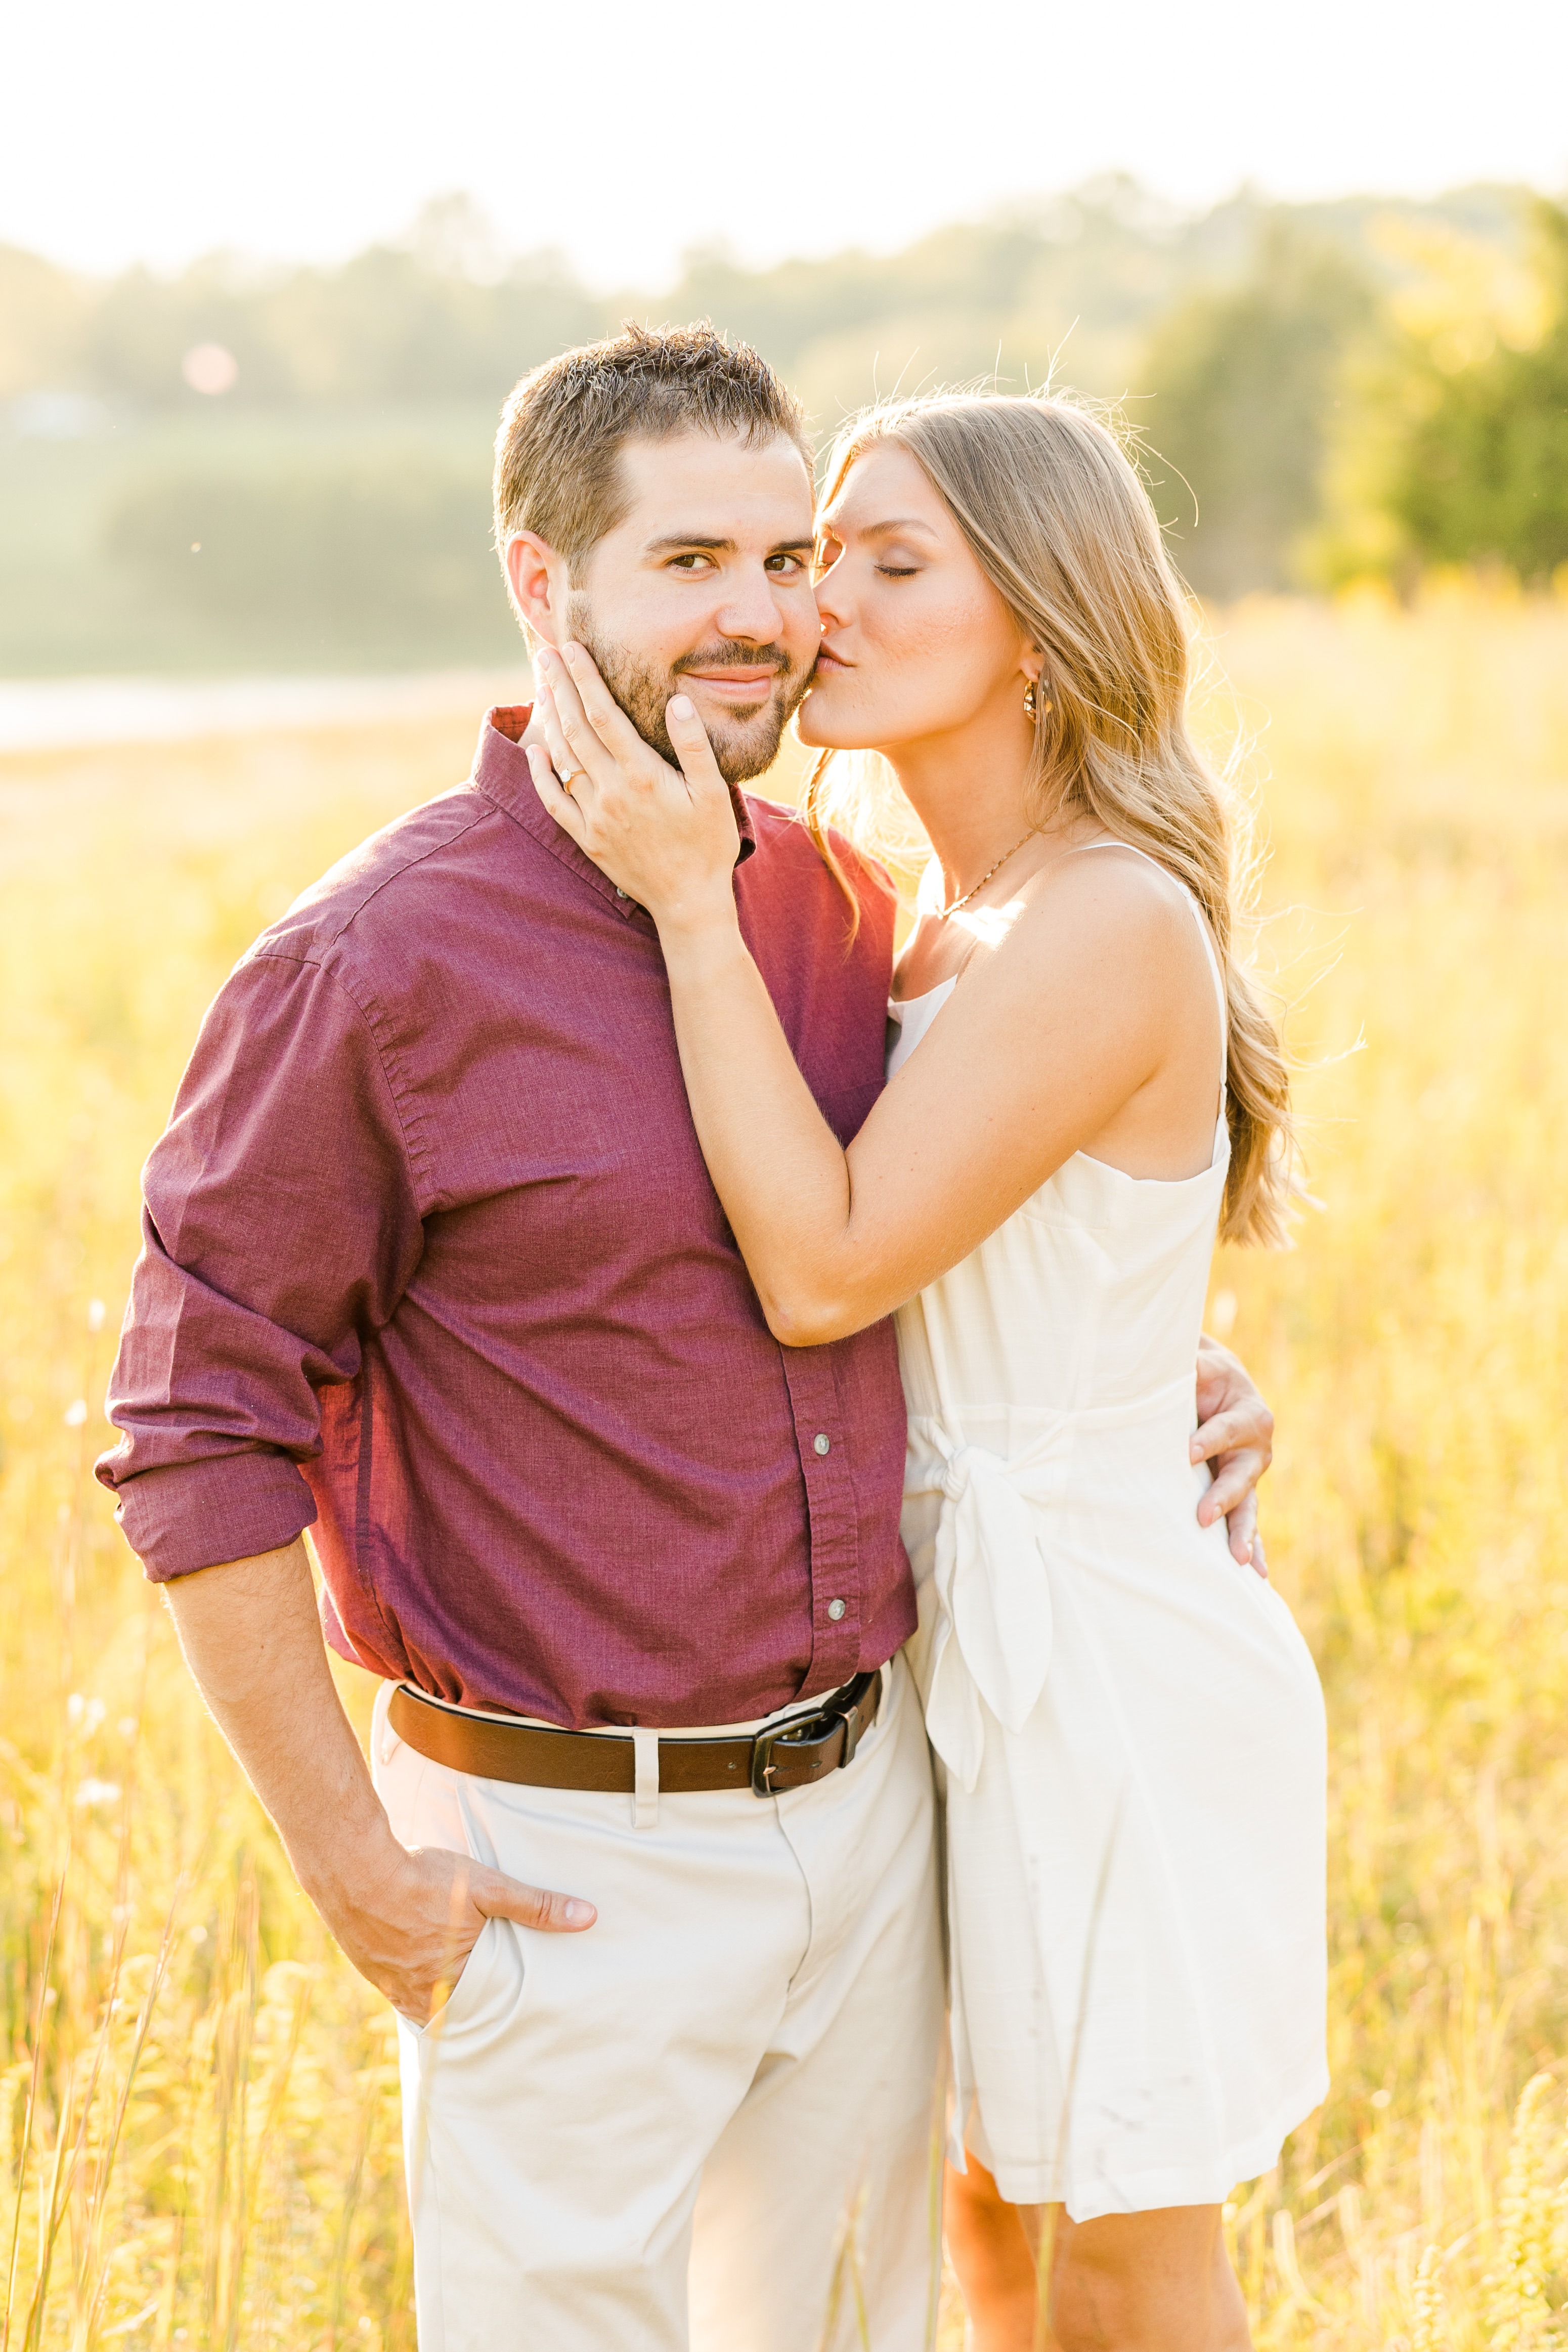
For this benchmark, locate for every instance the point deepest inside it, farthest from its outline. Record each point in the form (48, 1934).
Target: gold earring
(1030, 711)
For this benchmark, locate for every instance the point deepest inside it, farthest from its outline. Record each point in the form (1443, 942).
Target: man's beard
(745, 742)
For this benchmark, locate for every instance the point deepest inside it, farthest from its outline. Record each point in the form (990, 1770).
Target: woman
(1082, 1088)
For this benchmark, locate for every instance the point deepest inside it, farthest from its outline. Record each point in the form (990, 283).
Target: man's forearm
(407, 1919)
(252, 1639)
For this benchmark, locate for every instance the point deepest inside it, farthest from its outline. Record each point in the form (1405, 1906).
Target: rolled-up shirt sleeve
(281, 1224)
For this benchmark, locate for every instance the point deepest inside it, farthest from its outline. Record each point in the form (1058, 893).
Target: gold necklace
(944, 913)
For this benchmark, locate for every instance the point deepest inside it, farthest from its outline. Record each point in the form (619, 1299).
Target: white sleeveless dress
(1129, 1723)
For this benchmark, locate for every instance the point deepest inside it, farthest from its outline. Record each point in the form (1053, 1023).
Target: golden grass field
(198, 2136)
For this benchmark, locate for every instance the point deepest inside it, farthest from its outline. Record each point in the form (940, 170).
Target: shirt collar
(502, 774)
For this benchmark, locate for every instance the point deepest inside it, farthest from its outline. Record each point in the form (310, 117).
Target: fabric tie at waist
(991, 1637)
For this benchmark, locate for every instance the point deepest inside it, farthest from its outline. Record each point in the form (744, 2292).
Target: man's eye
(693, 563)
(785, 567)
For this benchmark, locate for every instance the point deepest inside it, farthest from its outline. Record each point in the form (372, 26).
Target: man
(431, 1262)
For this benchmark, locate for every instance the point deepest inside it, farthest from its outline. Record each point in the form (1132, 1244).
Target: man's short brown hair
(558, 450)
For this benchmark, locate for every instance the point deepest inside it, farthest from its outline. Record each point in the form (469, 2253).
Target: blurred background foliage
(246, 468)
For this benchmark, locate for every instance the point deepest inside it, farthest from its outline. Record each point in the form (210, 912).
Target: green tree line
(1318, 392)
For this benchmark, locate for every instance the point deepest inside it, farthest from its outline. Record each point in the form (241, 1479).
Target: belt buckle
(806, 1732)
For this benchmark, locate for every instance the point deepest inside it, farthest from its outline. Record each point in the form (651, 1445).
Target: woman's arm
(994, 1100)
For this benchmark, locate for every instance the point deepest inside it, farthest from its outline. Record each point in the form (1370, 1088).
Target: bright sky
(624, 131)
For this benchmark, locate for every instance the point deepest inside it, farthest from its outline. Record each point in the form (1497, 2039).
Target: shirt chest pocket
(612, 1202)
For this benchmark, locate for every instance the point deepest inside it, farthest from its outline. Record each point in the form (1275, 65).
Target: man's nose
(753, 611)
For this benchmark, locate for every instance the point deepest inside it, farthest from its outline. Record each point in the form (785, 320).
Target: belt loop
(385, 1742)
(645, 1799)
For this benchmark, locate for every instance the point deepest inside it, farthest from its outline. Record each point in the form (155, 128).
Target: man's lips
(736, 684)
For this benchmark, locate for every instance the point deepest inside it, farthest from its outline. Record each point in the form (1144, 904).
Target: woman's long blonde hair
(1062, 528)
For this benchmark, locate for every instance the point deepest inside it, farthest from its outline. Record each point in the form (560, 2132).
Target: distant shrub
(350, 554)
(1483, 469)
(1244, 383)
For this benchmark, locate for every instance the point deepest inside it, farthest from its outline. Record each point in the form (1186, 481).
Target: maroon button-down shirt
(432, 1263)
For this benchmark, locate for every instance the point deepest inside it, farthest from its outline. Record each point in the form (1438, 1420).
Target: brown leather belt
(792, 1756)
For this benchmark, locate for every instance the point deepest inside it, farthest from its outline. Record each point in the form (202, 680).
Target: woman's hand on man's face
(666, 836)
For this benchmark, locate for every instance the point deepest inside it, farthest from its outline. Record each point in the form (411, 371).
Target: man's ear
(540, 586)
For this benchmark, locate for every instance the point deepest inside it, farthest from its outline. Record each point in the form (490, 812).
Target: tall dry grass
(197, 2099)
(1417, 1344)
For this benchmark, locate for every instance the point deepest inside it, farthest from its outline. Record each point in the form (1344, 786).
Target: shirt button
(619, 892)
(821, 1443)
(836, 1609)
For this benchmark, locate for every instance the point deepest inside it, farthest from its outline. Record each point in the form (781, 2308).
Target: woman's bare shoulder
(1100, 901)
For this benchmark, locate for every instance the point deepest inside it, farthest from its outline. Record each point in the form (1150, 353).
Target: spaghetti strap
(1205, 934)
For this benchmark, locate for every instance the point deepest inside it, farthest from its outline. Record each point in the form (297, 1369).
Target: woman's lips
(829, 662)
